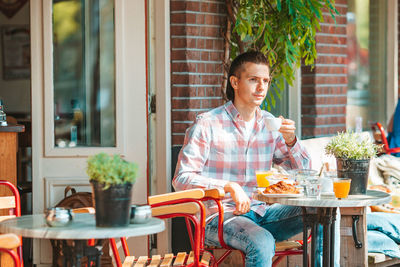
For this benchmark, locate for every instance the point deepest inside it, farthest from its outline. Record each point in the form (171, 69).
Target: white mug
(273, 124)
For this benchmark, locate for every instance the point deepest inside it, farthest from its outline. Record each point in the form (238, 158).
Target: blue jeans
(256, 235)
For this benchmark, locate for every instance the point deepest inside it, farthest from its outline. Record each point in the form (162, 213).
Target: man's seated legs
(256, 235)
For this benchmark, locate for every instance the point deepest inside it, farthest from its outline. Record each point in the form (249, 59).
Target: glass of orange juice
(262, 178)
(341, 187)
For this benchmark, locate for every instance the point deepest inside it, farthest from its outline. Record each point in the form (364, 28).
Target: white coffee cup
(273, 124)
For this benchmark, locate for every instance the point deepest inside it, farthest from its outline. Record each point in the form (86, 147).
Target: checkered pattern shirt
(215, 152)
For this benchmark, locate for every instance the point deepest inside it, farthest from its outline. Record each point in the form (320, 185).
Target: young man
(224, 148)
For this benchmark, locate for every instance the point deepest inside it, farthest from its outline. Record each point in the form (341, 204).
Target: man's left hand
(288, 130)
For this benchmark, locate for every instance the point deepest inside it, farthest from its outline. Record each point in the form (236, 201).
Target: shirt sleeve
(295, 157)
(191, 160)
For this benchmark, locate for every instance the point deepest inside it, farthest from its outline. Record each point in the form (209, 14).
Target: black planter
(112, 205)
(357, 170)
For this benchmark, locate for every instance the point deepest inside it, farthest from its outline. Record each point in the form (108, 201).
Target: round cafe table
(325, 215)
(82, 228)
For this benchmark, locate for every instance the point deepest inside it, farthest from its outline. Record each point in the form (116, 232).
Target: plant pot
(357, 170)
(112, 205)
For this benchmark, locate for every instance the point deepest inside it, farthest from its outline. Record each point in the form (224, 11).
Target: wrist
(291, 143)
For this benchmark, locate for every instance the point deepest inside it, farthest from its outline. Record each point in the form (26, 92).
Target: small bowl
(59, 217)
(140, 214)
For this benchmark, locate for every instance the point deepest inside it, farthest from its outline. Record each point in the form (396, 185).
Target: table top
(372, 198)
(83, 226)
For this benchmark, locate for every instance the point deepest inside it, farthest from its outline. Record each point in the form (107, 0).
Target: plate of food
(281, 189)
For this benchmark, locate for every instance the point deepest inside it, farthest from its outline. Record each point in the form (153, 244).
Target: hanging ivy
(284, 30)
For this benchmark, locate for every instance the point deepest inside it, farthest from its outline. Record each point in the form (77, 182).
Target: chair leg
(115, 252)
(277, 260)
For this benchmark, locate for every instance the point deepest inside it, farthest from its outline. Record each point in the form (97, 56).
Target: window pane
(84, 73)
(366, 51)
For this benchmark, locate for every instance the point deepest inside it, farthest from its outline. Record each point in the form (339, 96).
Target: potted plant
(112, 179)
(353, 153)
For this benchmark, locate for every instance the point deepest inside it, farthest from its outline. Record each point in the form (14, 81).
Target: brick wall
(324, 88)
(196, 60)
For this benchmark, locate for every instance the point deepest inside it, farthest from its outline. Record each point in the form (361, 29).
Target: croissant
(281, 188)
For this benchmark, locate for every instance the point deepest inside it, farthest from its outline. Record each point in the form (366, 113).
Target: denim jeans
(256, 235)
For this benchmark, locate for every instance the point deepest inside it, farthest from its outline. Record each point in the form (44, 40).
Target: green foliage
(284, 30)
(350, 145)
(110, 170)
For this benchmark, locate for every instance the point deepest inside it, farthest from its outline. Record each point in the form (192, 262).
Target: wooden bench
(181, 259)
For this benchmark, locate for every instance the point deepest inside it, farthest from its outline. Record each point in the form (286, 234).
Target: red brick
(324, 80)
(180, 127)
(332, 29)
(216, 56)
(183, 115)
(178, 42)
(332, 50)
(200, 19)
(192, 6)
(324, 90)
(201, 43)
(331, 60)
(193, 30)
(178, 18)
(210, 79)
(330, 39)
(193, 55)
(205, 55)
(323, 120)
(323, 110)
(209, 44)
(178, 5)
(179, 67)
(339, 20)
(180, 78)
(185, 103)
(183, 91)
(218, 44)
(178, 55)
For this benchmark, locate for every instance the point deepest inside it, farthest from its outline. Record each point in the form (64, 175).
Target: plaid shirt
(215, 152)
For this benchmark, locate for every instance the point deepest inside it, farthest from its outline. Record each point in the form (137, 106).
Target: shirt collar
(235, 115)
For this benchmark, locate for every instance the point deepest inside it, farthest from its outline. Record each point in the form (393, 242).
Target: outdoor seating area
(199, 133)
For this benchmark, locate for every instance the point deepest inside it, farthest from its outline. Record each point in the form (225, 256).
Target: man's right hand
(240, 197)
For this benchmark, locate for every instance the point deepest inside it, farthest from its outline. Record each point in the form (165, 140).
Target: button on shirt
(215, 152)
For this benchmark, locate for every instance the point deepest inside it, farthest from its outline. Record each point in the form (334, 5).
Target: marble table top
(371, 198)
(83, 226)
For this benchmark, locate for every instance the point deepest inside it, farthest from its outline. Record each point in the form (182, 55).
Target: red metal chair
(8, 244)
(185, 204)
(385, 143)
(13, 205)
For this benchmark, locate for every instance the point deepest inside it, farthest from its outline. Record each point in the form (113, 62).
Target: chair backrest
(8, 243)
(10, 206)
(385, 142)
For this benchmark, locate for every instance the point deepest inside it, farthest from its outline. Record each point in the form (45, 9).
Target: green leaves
(350, 145)
(110, 170)
(284, 30)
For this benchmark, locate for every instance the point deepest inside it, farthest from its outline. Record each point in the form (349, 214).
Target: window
(367, 65)
(84, 73)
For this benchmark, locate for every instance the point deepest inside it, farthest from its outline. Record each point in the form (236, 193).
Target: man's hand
(288, 130)
(240, 197)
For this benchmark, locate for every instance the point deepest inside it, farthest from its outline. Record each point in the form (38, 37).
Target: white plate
(282, 195)
(260, 190)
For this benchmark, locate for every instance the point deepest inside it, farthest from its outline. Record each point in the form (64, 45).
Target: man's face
(251, 86)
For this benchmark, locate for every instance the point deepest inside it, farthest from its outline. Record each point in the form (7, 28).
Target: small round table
(82, 228)
(326, 213)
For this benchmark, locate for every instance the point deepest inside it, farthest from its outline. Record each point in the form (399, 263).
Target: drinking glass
(302, 175)
(313, 187)
(341, 187)
(262, 180)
